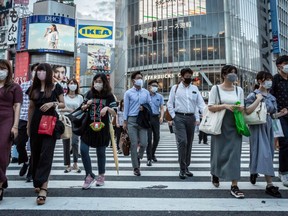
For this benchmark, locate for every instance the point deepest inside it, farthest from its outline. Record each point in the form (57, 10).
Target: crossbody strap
(175, 96)
(99, 110)
(218, 93)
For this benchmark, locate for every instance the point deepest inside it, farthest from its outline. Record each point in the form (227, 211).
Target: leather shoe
(154, 159)
(149, 163)
(188, 173)
(137, 172)
(253, 178)
(29, 177)
(182, 175)
(23, 169)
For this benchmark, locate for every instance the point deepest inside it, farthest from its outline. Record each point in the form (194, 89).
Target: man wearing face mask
(133, 100)
(22, 128)
(184, 102)
(280, 91)
(157, 102)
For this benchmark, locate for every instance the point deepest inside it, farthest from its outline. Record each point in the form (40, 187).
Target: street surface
(159, 191)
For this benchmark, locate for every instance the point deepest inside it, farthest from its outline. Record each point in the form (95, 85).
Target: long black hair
(36, 86)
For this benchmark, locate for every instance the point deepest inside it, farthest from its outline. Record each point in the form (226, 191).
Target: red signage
(21, 2)
(21, 67)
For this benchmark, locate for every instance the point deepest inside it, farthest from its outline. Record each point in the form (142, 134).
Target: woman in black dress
(44, 96)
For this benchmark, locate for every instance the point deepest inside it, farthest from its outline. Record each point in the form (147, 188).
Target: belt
(184, 114)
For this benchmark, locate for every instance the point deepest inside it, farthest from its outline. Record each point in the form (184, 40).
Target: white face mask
(98, 86)
(139, 83)
(154, 89)
(72, 87)
(285, 69)
(41, 75)
(3, 74)
(267, 84)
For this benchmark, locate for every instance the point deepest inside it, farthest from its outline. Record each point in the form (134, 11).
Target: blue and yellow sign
(95, 32)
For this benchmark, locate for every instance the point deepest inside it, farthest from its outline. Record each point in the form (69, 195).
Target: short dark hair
(135, 74)
(186, 70)
(54, 67)
(227, 69)
(152, 81)
(281, 59)
(34, 66)
(264, 75)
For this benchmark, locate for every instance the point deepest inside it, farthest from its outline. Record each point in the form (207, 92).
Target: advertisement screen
(5, 5)
(51, 33)
(99, 58)
(153, 10)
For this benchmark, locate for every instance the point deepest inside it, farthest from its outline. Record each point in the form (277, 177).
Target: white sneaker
(284, 179)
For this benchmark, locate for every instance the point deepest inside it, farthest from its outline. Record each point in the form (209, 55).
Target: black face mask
(187, 80)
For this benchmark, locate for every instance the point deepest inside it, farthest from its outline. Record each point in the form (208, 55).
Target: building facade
(165, 36)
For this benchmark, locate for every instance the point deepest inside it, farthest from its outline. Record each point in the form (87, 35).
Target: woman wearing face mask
(44, 96)
(10, 102)
(100, 103)
(226, 147)
(262, 138)
(72, 101)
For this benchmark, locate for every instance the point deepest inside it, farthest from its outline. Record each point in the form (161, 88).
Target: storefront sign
(12, 27)
(166, 76)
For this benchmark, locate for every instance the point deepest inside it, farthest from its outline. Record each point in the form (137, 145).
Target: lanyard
(99, 110)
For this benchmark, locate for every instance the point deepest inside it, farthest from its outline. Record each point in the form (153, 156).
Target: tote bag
(212, 121)
(258, 116)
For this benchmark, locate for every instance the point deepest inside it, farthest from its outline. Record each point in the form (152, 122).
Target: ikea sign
(95, 32)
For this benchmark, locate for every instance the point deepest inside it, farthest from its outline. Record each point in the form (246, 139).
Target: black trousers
(66, 149)
(118, 134)
(202, 136)
(21, 142)
(42, 149)
(154, 132)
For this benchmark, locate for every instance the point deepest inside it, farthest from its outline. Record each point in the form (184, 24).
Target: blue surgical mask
(232, 77)
(267, 84)
(154, 89)
(3, 74)
(139, 83)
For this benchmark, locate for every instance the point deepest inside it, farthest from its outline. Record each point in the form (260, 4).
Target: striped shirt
(25, 104)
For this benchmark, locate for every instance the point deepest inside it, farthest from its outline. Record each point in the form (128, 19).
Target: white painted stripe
(156, 173)
(157, 165)
(148, 184)
(145, 204)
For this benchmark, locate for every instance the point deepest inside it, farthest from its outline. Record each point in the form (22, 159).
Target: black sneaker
(253, 178)
(215, 181)
(149, 163)
(188, 173)
(182, 175)
(273, 191)
(137, 172)
(236, 192)
(23, 169)
(154, 159)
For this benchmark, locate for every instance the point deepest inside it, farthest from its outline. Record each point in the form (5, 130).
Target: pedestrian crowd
(31, 117)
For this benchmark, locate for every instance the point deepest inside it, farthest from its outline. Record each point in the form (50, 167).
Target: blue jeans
(86, 160)
(283, 147)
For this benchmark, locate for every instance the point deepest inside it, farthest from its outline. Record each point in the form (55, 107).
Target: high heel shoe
(2, 192)
(41, 198)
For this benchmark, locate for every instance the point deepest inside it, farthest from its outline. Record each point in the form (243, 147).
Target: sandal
(41, 198)
(215, 181)
(236, 192)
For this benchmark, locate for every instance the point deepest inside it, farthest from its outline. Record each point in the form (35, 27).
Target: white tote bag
(212, 122)
(258, 116)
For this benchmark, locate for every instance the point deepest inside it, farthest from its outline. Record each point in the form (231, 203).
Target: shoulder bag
(258, 116)
(212, 121)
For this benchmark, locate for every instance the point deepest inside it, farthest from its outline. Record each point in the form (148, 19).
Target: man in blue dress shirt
(133, 99)
(157, 102)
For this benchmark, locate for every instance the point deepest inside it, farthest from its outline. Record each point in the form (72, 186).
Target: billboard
(150, 11)
(5, 5)
(95, 32)
(275, 27)
(21, 2)
(12, 33)
(51, 33)
(21, 67)
(99, 58)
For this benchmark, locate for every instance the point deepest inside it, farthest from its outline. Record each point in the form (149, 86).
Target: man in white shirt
(184, 102)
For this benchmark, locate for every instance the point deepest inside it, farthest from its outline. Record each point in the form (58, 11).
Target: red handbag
(47, 125)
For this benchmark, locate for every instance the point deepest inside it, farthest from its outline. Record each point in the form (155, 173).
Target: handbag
(97, 126)
(47, 125)
(68, 127)
(79, 119)
(241, 125)
(212, 121)
(125, 143)
(258, 116)
(277, 128)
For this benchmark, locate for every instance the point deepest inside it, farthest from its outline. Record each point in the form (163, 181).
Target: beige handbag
(258, 116)
(68, 127)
